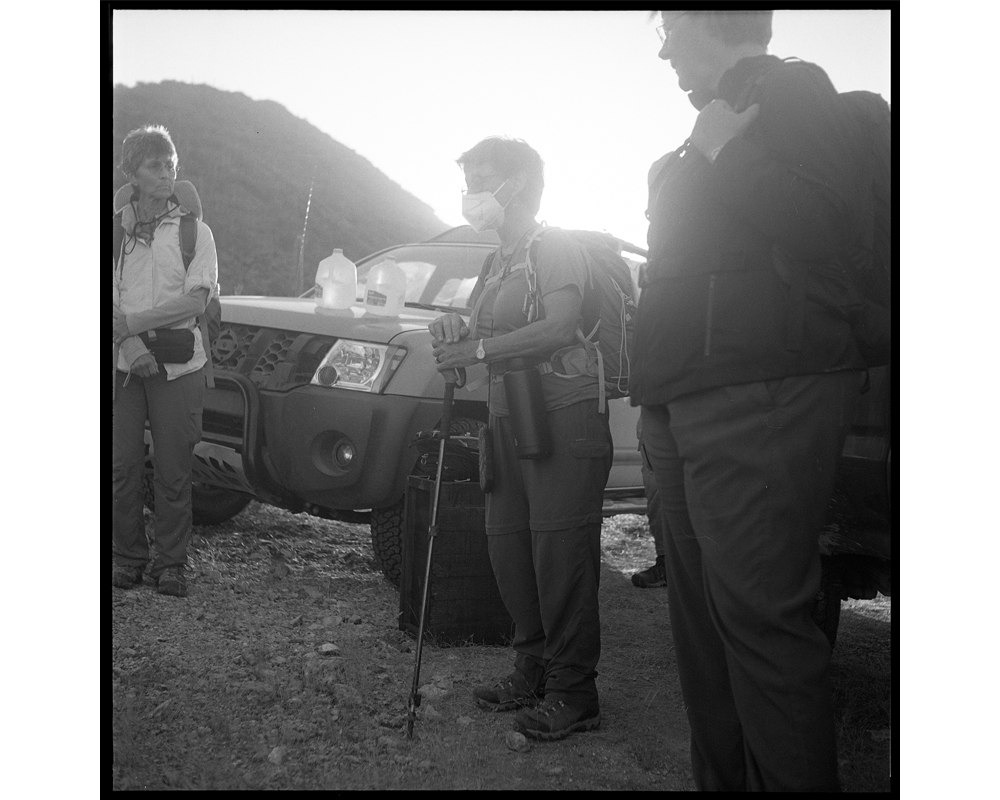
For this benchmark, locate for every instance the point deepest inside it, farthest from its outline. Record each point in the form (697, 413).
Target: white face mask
(483, 211)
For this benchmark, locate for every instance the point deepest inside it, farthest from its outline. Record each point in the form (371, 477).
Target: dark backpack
(868, 262)
(211, 320)
(608, 311)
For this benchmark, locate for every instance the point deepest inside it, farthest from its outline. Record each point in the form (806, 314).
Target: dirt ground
(285, 669)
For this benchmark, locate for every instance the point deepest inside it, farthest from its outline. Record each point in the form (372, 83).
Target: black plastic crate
(464, 603)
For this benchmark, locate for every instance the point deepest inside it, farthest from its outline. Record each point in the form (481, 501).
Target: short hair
(736, 27)
(510, 157)
(144, 142)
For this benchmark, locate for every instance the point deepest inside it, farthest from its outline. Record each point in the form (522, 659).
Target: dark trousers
(745, 475)
(548, 581)
(654, 507)
(543, 520)
(174, 410)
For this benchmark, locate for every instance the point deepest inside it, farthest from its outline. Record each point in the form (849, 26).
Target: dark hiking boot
(553, 719)
(172, 582)
(650, 578)
(506, 694)
(125, 576)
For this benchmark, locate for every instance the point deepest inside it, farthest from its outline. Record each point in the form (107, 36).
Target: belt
(501, 367)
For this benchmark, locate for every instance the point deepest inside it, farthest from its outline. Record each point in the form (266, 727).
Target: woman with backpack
(543, 512)
(159, 361)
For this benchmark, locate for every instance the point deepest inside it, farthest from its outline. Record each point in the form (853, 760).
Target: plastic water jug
(337, 276)
(385, 291)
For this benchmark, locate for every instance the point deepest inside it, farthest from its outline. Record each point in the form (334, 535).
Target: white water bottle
(337, 276)
(385, 290)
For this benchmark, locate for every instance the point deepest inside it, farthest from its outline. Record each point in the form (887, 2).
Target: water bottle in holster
(522, 385)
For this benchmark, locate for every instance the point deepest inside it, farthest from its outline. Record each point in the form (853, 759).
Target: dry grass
(226, 690)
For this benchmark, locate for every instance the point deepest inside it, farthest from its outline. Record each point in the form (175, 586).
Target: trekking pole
(114, 375)
(450, 380)
(632, 248)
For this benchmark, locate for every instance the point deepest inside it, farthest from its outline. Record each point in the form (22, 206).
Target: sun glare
(407, 90)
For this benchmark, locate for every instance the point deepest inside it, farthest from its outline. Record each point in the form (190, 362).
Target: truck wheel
(387, 523)
(212, 506)
(209, 505)
(387, 539)
(826, 606)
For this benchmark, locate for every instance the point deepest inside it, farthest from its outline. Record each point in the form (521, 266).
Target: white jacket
(151, 274)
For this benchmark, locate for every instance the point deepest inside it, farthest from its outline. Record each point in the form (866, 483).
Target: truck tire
(209, 505)
(387, 539)
(826, 606)
(387, 523)
(212, 506)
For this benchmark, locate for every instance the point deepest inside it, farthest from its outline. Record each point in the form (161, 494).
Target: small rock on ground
(392, 742)
(347, 695)
(431, 692)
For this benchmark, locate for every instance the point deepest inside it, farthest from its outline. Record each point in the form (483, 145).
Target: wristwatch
(480, 352)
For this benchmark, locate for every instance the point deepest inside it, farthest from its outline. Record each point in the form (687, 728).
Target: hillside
(252, 162)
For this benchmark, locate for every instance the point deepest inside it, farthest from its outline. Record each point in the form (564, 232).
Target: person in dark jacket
(748, 377)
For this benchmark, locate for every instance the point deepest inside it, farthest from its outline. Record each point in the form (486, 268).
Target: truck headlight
(361, 366)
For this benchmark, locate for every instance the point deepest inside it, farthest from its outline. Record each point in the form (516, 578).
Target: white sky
(412, 90)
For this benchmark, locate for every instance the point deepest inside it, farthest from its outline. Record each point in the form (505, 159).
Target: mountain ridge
(253, 163)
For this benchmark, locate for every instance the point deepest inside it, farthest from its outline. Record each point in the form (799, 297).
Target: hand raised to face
(718, 124)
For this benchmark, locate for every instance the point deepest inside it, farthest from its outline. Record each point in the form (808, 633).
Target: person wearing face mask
(748, 376)
(543, 515)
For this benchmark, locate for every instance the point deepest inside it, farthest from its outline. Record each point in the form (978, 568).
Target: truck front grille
(273, 359)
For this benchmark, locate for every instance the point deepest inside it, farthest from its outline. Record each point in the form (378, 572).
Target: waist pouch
(502, 367)
(169, 345)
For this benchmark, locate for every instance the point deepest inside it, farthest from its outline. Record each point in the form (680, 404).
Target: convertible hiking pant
(174, 410)
(543, 521)
(746, 474)
(654, 507)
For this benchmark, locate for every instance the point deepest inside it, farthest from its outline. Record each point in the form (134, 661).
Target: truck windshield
(437, 274)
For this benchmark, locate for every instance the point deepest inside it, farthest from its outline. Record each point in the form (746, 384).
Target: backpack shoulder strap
(188, 238)
(117, 240)
(746, 97)
(533, 299)
(481, 280)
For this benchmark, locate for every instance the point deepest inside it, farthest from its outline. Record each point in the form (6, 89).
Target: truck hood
(304, 315)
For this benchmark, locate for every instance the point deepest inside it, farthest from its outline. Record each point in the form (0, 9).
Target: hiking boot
(172, 582)
(125, 576)
(506, 694)
(553, 719)
(650, 578)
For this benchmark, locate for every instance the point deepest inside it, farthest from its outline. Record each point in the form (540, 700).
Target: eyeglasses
(663, 31)
(479, 183)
